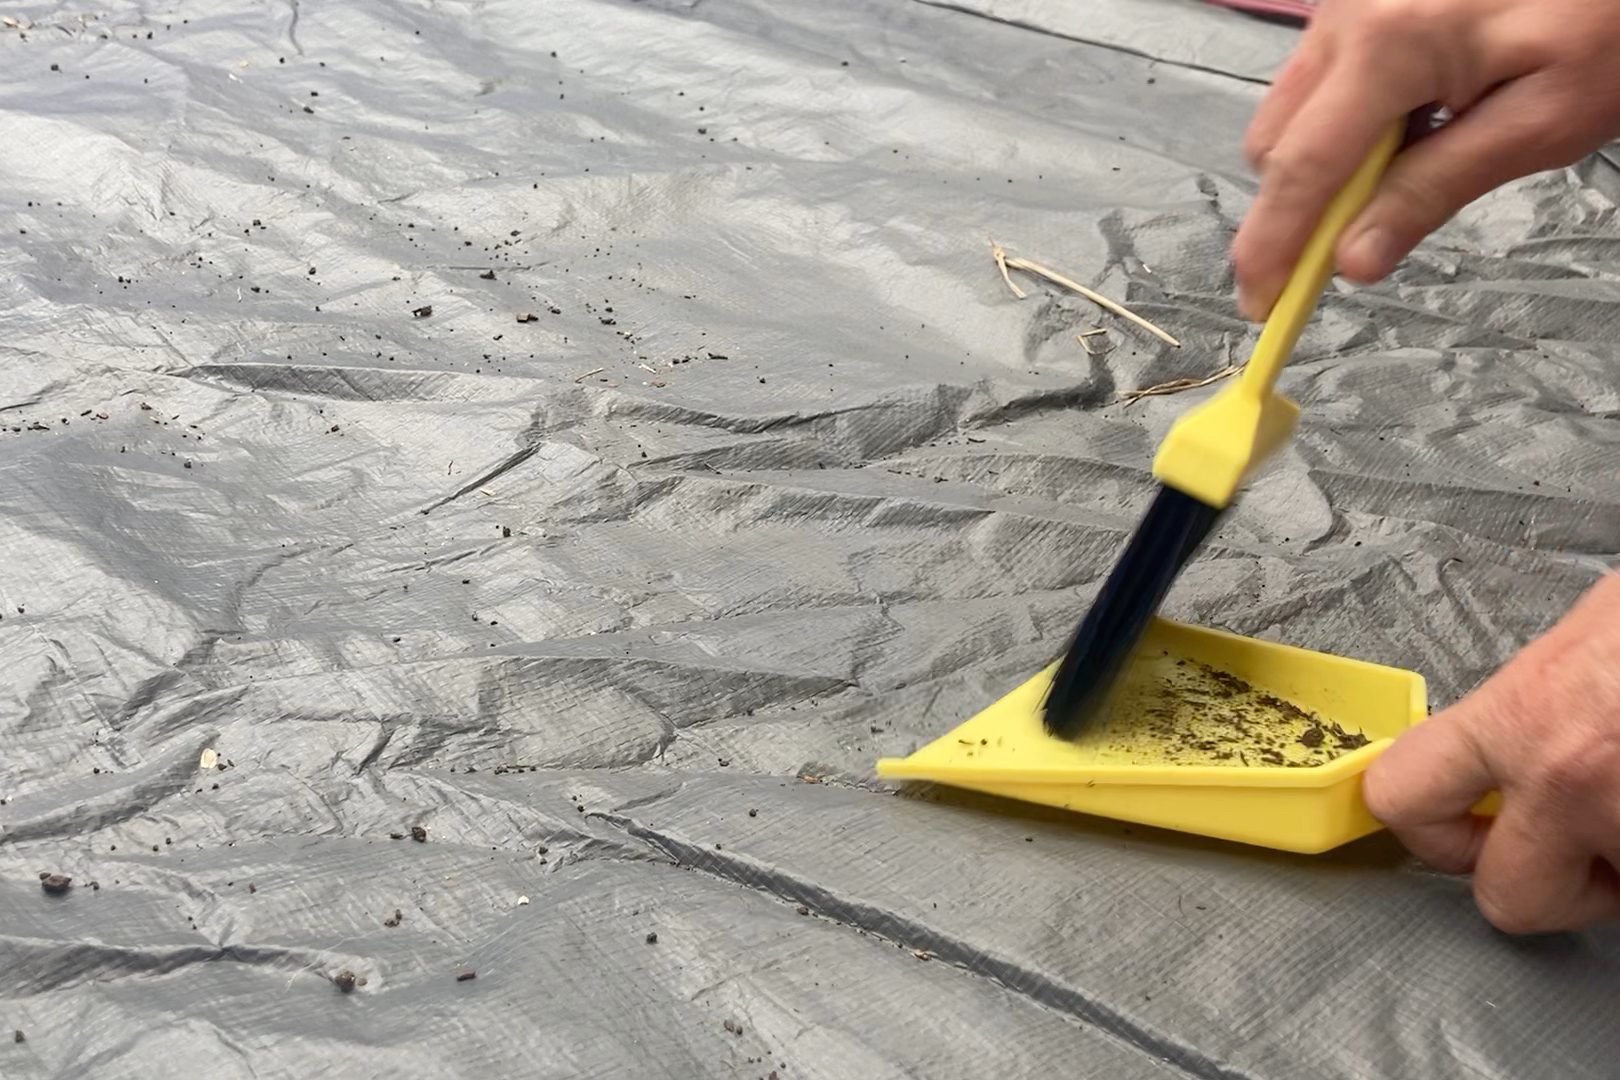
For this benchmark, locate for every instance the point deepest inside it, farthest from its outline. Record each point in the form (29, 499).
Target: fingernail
(1371, 253)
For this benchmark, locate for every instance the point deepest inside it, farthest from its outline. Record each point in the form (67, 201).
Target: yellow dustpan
(1120, 771)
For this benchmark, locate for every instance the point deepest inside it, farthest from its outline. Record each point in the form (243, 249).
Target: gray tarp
(249, 502)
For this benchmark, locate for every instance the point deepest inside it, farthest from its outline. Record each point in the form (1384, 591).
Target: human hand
(1544, 731)
(1532, 84)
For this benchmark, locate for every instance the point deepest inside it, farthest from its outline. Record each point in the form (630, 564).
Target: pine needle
(1176, 386)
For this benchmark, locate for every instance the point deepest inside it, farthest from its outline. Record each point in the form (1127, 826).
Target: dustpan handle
(1304, 289)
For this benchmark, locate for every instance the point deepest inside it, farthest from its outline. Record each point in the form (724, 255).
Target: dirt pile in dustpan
(1179, 711)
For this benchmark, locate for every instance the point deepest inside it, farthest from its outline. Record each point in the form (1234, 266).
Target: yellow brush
(1201, 464)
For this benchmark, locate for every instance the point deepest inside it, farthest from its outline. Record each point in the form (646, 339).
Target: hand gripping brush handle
(1200, 465)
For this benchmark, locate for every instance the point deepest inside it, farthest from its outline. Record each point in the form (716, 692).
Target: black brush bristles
(1170, 532)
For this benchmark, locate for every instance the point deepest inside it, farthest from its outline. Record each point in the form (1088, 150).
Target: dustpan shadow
(1380, 851)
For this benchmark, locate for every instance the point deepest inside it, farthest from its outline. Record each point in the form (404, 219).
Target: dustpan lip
(1224, 776)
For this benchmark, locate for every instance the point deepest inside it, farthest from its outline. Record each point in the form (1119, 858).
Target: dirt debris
(1181, 711)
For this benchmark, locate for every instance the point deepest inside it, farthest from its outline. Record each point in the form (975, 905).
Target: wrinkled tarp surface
(781, 478)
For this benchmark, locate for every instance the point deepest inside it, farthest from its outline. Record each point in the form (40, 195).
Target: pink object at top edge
(1291, 9)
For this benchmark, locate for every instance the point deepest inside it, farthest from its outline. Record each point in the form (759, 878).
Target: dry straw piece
(1007, 262)
(1085, 340)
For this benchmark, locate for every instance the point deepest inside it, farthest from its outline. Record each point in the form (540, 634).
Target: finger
(1330, 134)
(1425, 786)
(1292, 87)
(1535, 878)
(1519, 129)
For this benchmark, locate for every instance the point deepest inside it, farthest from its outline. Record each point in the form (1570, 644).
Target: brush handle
(1304, 289)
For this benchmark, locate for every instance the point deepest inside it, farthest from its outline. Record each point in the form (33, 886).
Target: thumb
(1425, 786)
(1516, 130)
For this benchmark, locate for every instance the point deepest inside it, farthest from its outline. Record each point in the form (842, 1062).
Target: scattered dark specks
(395, 919)
(419, 834)
(733, 1026)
